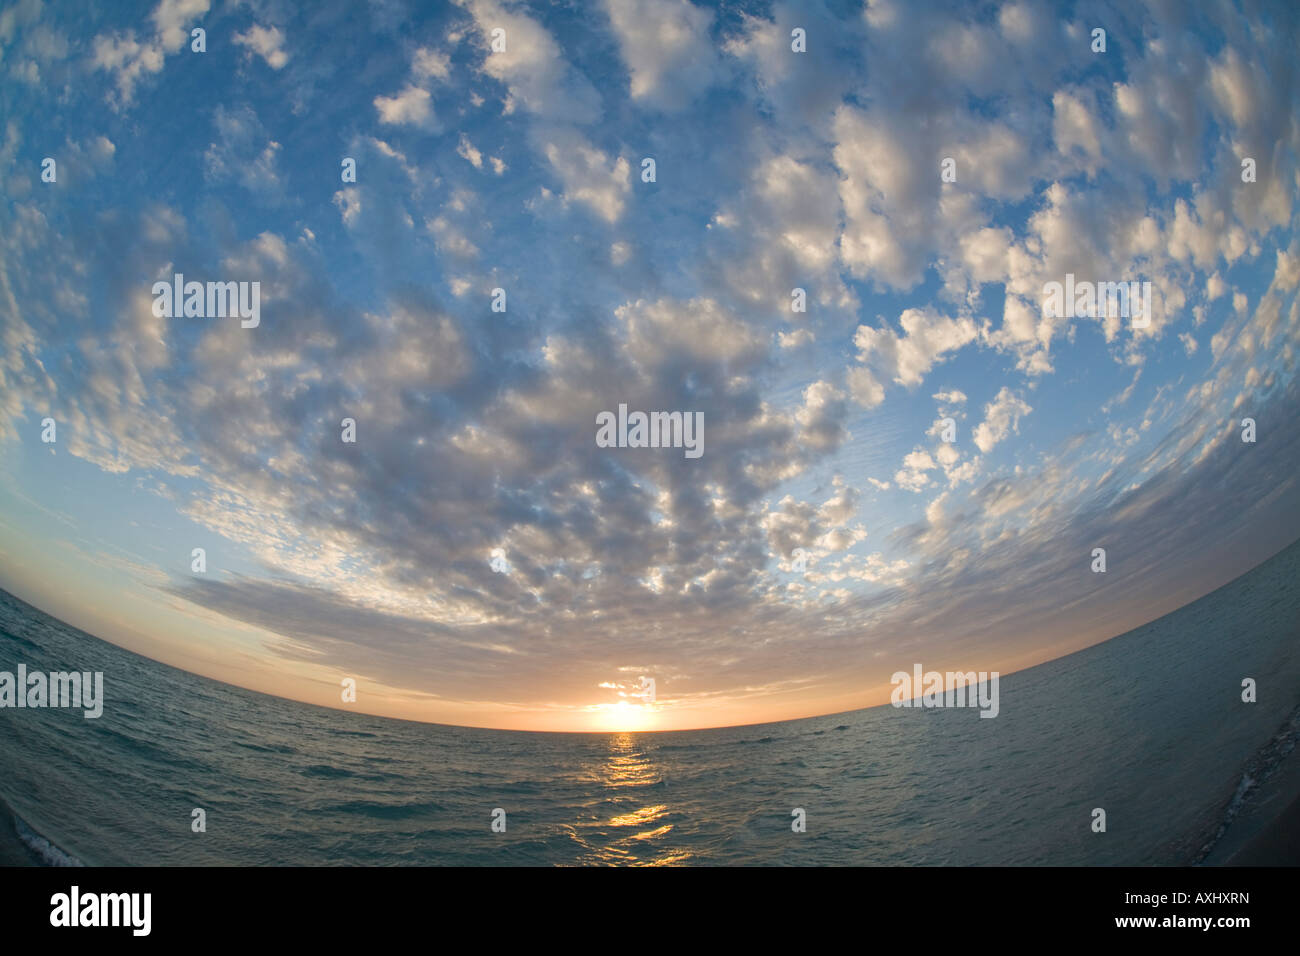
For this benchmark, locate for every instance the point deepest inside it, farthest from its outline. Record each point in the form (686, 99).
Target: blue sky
(521, 169)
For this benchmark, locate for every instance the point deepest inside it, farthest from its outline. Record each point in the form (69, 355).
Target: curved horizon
(617, 728)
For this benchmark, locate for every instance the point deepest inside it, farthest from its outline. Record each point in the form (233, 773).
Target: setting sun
(623, 716)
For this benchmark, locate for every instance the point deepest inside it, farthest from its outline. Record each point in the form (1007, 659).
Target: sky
(476, 556)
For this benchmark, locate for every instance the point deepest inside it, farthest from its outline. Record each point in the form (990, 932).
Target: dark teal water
(1149, 726)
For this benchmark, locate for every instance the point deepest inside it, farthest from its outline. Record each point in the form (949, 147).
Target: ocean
(1149, 726)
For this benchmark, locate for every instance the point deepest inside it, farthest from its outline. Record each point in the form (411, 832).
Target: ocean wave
(272, 749)
(46, 852)
(324, 770)
(22, 641)
(384, 811)
(1258, 769)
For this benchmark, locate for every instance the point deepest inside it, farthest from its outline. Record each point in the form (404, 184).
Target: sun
(623, 716)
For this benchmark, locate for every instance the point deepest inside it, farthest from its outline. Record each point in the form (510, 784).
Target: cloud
(348, 200)
(914, 475)
(411, 107)
(1075, 130)
(266, 42)
(172, 19)
(589, 176)
(821, 419)
(430, 64)
(906, 359)
(131, 60)
(532, 66)
(450, 240)
(778, 171)
(466, 150)
(782, 229)
(241, 150)
(1001, 417)
(671, 62)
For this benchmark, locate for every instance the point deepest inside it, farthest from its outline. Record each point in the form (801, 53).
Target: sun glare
(623, 716)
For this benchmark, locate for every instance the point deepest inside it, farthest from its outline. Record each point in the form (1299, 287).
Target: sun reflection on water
(632, 828)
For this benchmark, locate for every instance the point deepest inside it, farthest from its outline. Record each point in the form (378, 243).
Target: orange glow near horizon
(205, 643)
(624, 716)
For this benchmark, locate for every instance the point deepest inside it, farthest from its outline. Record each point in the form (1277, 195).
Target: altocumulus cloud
(520, 170)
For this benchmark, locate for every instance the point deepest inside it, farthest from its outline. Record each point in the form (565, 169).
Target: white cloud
(666, 46)
(1075, 130)
(532, 66)
(172, 20)
(885, 201)
(914, 475)
(664, 329)
(588, 175)
(865, 387)
(1001, 417)
(242, 150)
(130, 60)
(450, 239)
(821, 419)
(905, 359)
(430, 64)
(465, 149)
(266, 42)
(349, 202)
(411, 107)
